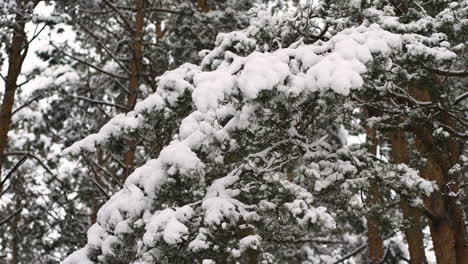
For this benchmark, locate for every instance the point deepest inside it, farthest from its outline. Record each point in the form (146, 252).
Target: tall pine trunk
(413, 233)
(447, 221)
(374, 225)
(17, 53)
(135, 68)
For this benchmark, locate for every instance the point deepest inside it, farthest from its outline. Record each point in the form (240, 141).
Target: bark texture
(375, 241)
(413, 233)
(447, 217)
(134, 83)
(16, 56)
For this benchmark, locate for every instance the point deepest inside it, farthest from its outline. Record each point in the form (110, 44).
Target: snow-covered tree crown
(254, 147)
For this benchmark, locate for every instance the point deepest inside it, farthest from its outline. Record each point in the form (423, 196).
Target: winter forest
(233, 131)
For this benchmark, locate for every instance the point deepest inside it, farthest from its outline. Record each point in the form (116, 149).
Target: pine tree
(260, 156)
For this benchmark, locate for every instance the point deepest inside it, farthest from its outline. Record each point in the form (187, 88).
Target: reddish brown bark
(447, 221)
(203, 5)
(375, 241)
(16, 56)
(413, 233)
(135, 68)
(452, 182)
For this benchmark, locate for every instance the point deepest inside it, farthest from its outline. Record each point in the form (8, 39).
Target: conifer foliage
(226, 131)
(260, 170)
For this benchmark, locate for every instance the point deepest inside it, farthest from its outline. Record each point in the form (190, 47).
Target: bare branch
(107, 172)
(27, 153)
(26, 104)
(89, 64)
(6, 219)
(17, 165)
(129, 26)
(98, 41)
(93, 101)
(100, 188)
(359, 249)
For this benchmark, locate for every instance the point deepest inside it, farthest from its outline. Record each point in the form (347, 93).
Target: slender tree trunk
(135, 68)
(413, 233)
(15, 240)
(17, 53)
(375, 241)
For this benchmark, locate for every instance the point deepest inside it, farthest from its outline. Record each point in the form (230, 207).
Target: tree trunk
(15, 240)
(17, 53)
(413, 233)
(375, 241)
(203, 5)
(447, 161)
(250, 254)
(135, 68)
(447, 221)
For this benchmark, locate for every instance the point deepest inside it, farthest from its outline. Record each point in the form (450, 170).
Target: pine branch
(112, 55)
(359, 249)
(93, 101)
(448, 73)
(6, 219)
(26, 104)
(89, 64)
(16, 167)
(460, 98)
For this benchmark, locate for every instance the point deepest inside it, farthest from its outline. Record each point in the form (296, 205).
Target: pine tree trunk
(203, 5)
(135, 68)
(453, 203)
(413, 233)
(447, 223)
(15, 240)
(250, 254)
(375, 241)
(15, 63)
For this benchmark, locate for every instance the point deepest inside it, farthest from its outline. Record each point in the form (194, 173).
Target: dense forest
(233, 131)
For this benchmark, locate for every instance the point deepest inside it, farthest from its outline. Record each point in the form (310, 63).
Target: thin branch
(26, 154)
(107, 172)
(359, 249)
(453, 132)
(103, 46)
(119, 14)
(89, 64)
(98, 102)
(36, 33)
(17, 211)
(26, 104)
(460, 98)
(449, 73)
(100, 188)
(162, 10)
(25, 82)
(17, 165)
